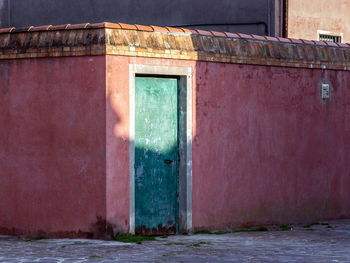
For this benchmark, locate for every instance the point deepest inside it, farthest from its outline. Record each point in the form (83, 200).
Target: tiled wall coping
(170, 43)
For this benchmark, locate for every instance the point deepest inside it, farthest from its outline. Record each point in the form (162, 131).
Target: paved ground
(316, 243)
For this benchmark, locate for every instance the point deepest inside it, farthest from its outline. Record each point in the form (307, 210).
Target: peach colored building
(313, 18)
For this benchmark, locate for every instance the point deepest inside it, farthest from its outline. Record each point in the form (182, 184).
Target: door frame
(184, 75)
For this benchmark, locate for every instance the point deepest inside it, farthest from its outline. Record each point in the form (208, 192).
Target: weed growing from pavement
(200, 243)
(200, 232)
(256, 229)
(312, 224)
(132, 238)
(34, 238)
(95, 256)
(175, 243)
(221, 232)
(285, 227)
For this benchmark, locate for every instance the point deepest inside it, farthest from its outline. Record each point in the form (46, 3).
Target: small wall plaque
(325, 92)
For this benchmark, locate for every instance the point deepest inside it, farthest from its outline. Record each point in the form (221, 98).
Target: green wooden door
(156, 155)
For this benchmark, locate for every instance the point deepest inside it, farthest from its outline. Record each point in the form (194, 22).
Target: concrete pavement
(321, 243)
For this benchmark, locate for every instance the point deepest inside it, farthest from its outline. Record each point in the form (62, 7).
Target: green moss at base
(132, 238)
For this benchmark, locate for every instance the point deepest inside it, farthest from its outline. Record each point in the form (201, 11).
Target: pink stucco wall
(117, 143)
(52, 146)
(118, 140)
(266, 148)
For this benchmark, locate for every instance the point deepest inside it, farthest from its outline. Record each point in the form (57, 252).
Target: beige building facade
(319, 20)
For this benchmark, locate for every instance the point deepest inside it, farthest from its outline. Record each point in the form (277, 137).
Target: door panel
(156, 150)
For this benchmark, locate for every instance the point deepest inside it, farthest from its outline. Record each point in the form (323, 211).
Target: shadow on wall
(154, 154)
(256, 143)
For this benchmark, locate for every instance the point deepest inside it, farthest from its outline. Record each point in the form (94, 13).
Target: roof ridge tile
(6, 30)
(153, 28)
(21, 29)
(241, 35)
(144, 28)
(77, 26)
(59, 27)
(203, 32)
(127, 26)
(159, 28)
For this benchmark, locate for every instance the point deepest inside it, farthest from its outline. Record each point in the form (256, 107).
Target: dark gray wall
(19, 13)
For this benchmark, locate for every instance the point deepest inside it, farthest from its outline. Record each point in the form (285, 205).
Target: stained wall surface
(118, 139)
(52, 146)
(266, 148)
(306, 17)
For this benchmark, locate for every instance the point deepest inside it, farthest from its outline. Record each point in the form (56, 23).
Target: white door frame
(185, 139)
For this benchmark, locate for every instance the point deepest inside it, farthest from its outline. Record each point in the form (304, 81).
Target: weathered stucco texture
(117, 143)
(267, 149)
(52, 154)
(306, 17)
(118, 139)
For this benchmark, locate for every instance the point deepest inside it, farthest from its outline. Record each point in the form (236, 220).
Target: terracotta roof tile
(138, 40)
(78, 26)
(296, 41)
(22, 29)
(244, 36)
(6, 30)
(258, 37)
(144, 28)
(319, 43)
(186, 30)
(309, 42)
(218, 34)
(104, 25)
(271, 38)
(203, 32)
(331, 44)
(41, 28)
(127, 26)
(159, 28)
(282, 39)
(59, 27)
(228, 34)
(343, 45)
(174, 29)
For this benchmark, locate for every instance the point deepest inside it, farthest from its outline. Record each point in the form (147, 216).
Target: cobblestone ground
(316, 243)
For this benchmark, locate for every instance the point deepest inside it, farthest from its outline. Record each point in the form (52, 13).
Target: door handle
(167, 161)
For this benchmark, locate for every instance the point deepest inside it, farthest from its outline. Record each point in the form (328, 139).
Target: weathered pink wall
(306, 17)
(117, 143)
(267, 149)
(117, 130)
(52, 146)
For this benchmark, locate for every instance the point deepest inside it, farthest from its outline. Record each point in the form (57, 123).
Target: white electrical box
(325, 92)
